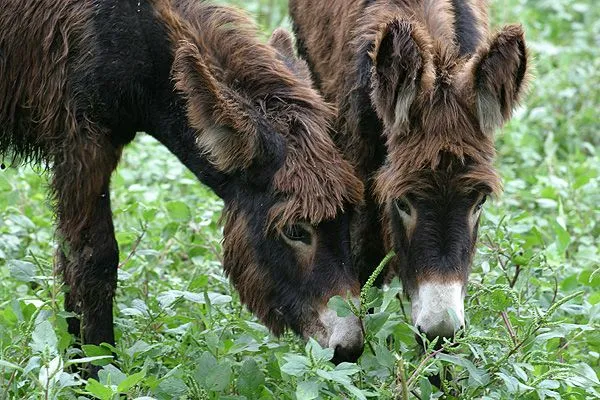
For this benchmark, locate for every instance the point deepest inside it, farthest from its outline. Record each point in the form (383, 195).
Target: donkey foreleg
(88, 254)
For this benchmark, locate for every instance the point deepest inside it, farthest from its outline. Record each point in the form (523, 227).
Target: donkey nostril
(347, 353)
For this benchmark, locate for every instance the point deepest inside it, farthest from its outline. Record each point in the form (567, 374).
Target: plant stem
(417, 370)
(371, 281)
(509, 327)
(402, 377)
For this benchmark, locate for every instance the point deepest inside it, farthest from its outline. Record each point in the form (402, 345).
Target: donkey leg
(88, 255)
(71, 302)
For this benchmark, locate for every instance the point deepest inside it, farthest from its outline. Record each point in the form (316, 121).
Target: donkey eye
(481, 203)
(297, 233)
(402, 206)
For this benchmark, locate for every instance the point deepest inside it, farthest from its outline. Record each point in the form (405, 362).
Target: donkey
(79, 79)
(421, 86)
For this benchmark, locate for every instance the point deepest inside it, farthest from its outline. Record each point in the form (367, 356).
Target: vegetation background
(533, 303)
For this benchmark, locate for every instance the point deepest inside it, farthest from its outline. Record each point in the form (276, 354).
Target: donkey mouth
(342, 334)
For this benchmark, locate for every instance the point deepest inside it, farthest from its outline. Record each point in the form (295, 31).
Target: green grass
(533, 303)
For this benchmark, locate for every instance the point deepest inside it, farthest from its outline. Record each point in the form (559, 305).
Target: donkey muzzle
(438, 308)
(342, 334)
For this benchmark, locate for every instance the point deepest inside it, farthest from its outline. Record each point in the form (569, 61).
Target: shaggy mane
(315, 181)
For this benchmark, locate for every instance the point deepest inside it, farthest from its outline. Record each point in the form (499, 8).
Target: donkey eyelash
(297, 233)
(481, 203)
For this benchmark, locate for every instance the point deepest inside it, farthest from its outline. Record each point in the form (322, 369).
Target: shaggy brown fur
(314, 177)
(420, 86)
(37, 98)
(80, 78)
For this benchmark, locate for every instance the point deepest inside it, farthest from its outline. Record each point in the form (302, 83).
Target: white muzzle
(438, 308)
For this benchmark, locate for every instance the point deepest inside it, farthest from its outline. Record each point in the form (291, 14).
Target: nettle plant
(515, 345)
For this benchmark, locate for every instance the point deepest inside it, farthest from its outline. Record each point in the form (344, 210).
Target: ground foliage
(533, 303)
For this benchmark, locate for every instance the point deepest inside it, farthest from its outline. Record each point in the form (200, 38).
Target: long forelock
(316, 183)
(442, 127)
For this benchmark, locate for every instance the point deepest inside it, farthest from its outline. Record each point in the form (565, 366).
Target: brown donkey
(421, 85)
(80, 78)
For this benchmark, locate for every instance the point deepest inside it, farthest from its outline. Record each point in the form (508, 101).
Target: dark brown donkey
(421, 85)
(80, 78)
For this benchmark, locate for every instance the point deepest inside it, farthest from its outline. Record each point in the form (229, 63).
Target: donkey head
(439, 112)
(286, 235)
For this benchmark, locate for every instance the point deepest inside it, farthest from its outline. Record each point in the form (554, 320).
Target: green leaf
(512, 384)
(22, 271)
(585, 376)
(500, 300)
(218, 378)
(390, 295)
(178, 211)
(295, 365)
(102, 354)
(319, 354)
(426, 388)
(9, 365)
(85, 360)
(206, 363)
(132, 380)
(594, 298)
(149, 214)
(335, 376)
(171, 388)
(356, 392)
(98, 390)
(111, 375)
(250, 379)
(347, 368)
(477, 376)
(340, 306)
(168, 298)
(43, 337)
(563, 239)
(374, 322)
(169, 230)
(308, 390)
(384, 356)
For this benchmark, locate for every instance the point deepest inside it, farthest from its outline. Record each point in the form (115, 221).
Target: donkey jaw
(438, 308)
(342, 334)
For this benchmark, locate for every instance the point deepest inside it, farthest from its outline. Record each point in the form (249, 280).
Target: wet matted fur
(83, 77)
(420, 85)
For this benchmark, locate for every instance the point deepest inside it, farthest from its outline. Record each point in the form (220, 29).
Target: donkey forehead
(424, 170)
(448, 105)
(452, 182)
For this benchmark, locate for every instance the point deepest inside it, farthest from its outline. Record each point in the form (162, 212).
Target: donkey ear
(282, 41)
(500, 76)
(222, 117)
(402, 67)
